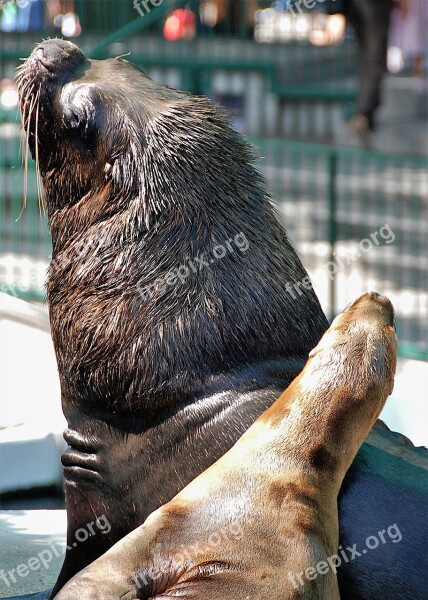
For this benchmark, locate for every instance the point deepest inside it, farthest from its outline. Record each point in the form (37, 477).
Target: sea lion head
(58, 120)
(86, 123)
(108, 139)
(362, 340)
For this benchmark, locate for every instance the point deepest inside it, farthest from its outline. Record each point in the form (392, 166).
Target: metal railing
(293, 68)
(225, 18)
(358, 220)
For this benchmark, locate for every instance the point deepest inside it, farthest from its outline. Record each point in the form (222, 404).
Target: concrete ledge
(32, 546)
(13, 309)
(31, 419)
(30, 458)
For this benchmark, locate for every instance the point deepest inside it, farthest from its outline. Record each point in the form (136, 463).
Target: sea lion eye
(72, 118)
(78, 110)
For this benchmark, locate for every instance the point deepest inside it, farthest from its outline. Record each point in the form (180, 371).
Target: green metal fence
(358, 219)
(293, 67)
(227, 18)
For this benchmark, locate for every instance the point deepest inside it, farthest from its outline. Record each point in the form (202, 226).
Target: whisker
(26, 125)
(20, 74)
(24, 119)
(27, 89)
(40, 197)
(26, 114)
(23, 140)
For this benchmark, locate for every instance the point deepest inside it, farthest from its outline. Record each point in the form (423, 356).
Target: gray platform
(32, 545)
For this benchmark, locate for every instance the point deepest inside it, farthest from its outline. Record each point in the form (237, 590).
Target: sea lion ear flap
(93, 205)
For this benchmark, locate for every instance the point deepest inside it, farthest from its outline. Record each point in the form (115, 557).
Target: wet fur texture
(181, 182)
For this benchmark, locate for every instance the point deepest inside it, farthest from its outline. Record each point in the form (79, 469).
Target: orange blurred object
(180, 24)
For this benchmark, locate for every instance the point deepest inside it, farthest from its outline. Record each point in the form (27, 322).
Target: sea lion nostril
(375, 296)
(40, 57)
(37, 58)
(51, 52)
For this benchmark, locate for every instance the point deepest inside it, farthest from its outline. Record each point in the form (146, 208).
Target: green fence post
(139, 24)
(332, 223)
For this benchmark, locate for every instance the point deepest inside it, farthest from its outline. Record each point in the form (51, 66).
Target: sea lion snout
(40, 79)
(56, 54)
(373, 303)
(358, 320)
(367, 311)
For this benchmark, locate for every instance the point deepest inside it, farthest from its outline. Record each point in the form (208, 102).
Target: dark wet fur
(182, 182)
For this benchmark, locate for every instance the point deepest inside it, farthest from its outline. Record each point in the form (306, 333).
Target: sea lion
(166, 287)
(168, 296)
(277, 487)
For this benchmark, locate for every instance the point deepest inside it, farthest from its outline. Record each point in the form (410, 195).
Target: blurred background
(353, 196)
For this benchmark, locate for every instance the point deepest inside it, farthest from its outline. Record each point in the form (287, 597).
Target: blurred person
(55, 11)
(227, 15)
(370, 20)
(242, 16)
(409, 32)
(30, 16)
(9, 15)
(22, 17)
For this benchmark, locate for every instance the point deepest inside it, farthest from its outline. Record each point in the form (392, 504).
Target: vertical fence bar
(332, 159)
